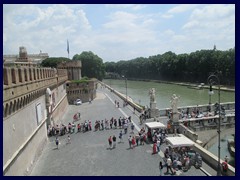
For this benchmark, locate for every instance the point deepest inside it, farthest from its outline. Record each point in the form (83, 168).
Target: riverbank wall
(123, 97)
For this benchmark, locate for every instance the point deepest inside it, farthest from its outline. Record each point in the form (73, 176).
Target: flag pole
(68, 48)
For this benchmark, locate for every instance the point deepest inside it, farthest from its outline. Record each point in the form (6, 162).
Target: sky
(117, 32)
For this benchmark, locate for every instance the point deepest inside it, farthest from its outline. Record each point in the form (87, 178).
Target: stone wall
(81, 90)
(24, 85)
(25, 114)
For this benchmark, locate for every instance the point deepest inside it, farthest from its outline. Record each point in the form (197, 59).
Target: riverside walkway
(88, 153)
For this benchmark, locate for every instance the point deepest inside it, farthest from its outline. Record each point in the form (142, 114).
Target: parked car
(78, 102)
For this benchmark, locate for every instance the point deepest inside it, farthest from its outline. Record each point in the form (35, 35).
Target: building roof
(179, 141)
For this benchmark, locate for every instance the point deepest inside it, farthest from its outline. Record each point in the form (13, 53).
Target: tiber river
(138, 91)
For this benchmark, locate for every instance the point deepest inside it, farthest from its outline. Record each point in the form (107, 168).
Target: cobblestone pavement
(89, 155)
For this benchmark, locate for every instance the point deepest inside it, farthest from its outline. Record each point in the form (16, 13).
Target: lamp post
(126, 89)
(210, 93)
(214, 79)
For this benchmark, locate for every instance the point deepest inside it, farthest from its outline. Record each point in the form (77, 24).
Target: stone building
(83, 90)
(78, 88)
(73, 69)
(27, 110)
(24, 59)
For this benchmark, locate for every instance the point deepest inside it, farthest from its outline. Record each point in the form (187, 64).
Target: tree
(53, 61)
(92, 65)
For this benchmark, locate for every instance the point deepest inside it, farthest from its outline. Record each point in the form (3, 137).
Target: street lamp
(126, 89)
(210, 93)
(214, 79)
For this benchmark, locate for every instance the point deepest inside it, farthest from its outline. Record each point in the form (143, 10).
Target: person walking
(133, 142)
(68, 140)
(130, 141)
(57, 142)
(160, 167)
(132, 127)
(158, 144)
(114, 141)
(169, 165)
(110, 142)
(120, 136)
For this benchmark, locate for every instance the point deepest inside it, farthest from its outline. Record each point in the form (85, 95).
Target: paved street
(88, 153)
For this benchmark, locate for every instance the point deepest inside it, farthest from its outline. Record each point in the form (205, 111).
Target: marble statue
(174, 101)
(152, 94)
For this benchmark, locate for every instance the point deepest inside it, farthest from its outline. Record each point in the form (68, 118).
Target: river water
(138, 91)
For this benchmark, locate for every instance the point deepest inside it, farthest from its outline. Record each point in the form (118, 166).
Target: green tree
(92, 65)
(53, 61)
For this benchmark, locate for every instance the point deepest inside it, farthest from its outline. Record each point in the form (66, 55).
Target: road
(89, 155)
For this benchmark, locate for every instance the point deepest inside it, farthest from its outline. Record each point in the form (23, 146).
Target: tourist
(115, 123)
(111, 123)
(130, 141)
(158, 144)
(57, 142)
(114, 141)
(169, 164)
(89, 125)
(79, 127)
(110, 142)
(224, 167)
(69, 127)
(160, 167)
(120, 136)
(68, 140)
(73, 127)
(119, 122)
(102, 125)
(133, 141)
(132, 126)
(137, 138)
(154, 148)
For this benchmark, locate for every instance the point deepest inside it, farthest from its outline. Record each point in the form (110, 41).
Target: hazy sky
(117, 32)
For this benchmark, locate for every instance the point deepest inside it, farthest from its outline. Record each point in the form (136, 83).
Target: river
(138, 91)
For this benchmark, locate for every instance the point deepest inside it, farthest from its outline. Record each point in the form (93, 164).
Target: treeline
(194, 67)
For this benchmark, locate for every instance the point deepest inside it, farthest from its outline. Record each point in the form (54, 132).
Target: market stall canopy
(179, 141)
(155, 125)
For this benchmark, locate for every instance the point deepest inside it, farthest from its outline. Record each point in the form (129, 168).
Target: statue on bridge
(152, 95)
(174, 101)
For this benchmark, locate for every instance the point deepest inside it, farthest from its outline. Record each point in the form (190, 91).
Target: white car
(78, 102)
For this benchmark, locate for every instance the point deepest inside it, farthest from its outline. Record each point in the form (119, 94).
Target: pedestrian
(160, 167)
(68, 140)
(137, 138)
(110, 142)
(57, 142)
(73, 127)
(169, 164)
(89, 125)
(119, 122)
(120, 136)
(102, 125)
(79, 127)
(158, 144)
(115, 123)
(125, 128)
(114, 141)
(130, 141)
(224, 167)
(132, 126)
(133, 141)
(154, 148)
